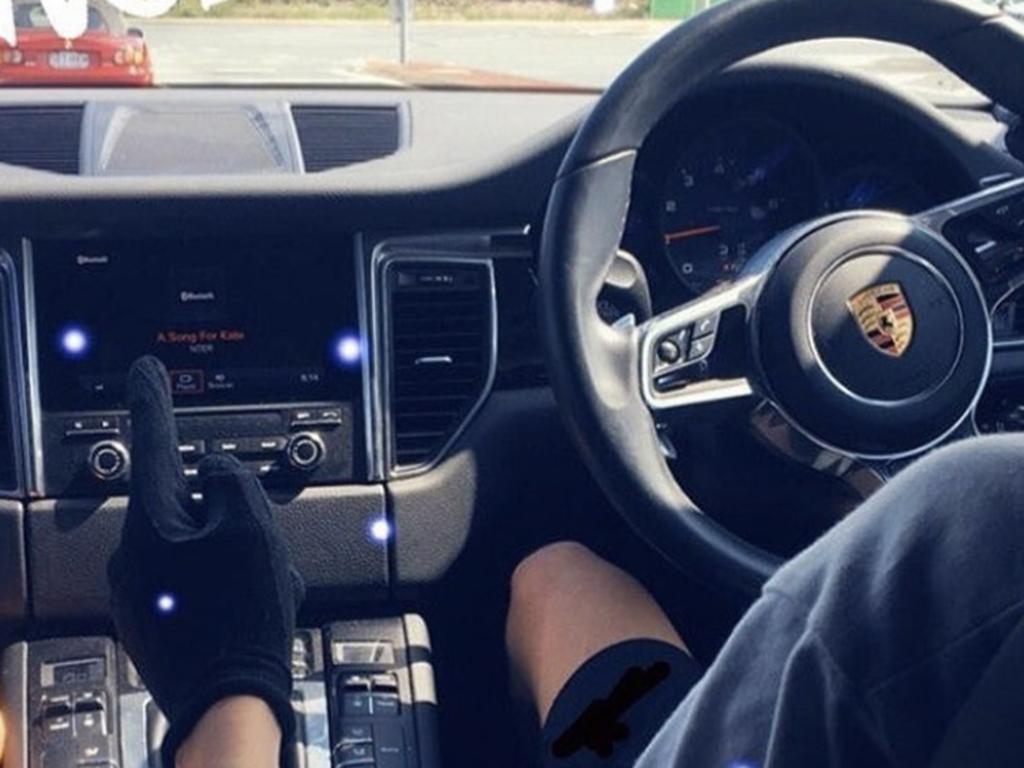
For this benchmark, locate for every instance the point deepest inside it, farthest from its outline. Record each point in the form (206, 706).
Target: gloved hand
(203, 596)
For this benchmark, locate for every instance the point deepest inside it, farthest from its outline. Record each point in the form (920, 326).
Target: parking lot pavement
(576, 53)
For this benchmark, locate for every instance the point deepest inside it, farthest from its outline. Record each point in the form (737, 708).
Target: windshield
(487, 44)
(494, 44)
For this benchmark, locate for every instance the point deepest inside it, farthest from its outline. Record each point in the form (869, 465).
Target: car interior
(448, 326)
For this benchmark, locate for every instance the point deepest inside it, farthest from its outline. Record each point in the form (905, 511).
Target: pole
(404, 30)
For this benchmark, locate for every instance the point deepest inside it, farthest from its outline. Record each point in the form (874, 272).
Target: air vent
(44, 138)
(332, 137)
(441, 330)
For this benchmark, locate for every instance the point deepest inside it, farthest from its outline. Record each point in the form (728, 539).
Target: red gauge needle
(694, 232)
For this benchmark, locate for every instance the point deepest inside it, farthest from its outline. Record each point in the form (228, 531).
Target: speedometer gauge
(729, 192)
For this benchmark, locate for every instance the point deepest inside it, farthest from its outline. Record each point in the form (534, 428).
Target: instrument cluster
(715, 184)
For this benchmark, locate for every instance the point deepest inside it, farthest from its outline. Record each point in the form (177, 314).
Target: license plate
(69, 60)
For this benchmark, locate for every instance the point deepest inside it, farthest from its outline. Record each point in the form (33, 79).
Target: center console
(364, 698)
(263, 341)
(333, 368)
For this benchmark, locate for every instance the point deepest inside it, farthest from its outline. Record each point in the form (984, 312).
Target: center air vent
(44, 138)
(441, 331)
(333, 137)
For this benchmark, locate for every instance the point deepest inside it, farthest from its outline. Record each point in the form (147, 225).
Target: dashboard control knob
(305, 450)
(108, 460)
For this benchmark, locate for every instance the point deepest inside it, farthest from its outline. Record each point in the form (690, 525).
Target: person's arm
(3, 738)
(203, 594)
(237, 732)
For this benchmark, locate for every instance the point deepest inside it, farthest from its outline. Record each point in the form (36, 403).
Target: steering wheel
(867, 334)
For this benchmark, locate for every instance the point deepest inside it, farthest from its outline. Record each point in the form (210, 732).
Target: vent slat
(333, 137)
(44, 138)
(430, 401)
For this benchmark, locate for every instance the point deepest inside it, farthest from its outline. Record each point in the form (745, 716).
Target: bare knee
(538, 580)
(540, 571)
(567, 605)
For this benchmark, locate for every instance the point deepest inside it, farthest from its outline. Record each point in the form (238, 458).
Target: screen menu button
(187, 382)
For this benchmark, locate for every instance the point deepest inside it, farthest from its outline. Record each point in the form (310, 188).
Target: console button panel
(72, 695)
(357, 701)
(375, 712)
(88, 454)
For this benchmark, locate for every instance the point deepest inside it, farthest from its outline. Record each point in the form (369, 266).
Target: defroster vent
(47, 138)
(441, 334)
(333, 137)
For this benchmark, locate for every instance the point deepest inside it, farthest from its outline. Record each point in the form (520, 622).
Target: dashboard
(365, 336)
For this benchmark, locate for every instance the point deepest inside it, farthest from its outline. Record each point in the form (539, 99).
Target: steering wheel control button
(108, 460)
(305, 451)
(692, 373)
(668, 351)
(705, 326)
(699, 348)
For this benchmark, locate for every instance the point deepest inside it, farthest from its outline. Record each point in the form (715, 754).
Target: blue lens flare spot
(380, 530)
(348, 350)
(74, 341)
(166, 603)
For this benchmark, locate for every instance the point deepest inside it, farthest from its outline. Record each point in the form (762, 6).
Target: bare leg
(3, 738)
(568, 605)
(236, 732)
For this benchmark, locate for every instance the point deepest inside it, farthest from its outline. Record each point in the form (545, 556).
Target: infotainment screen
(235, 322)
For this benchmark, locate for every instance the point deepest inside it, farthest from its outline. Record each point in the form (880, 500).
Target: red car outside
(107, 54)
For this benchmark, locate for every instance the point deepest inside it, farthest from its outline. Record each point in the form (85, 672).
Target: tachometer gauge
(729, 192)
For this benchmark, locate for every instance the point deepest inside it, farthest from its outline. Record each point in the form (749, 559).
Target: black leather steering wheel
(816, 325)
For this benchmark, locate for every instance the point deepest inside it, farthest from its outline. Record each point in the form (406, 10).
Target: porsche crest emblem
(885, 317)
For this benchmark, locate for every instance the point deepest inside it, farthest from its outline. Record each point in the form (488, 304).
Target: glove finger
(231, 490)
(158, 478)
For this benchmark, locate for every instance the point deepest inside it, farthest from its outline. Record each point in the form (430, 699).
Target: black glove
(203, 596)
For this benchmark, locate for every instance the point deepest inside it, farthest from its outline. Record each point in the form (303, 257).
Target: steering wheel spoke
(698, 353)
(780, 435)
(987, 229)
(863, 474)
